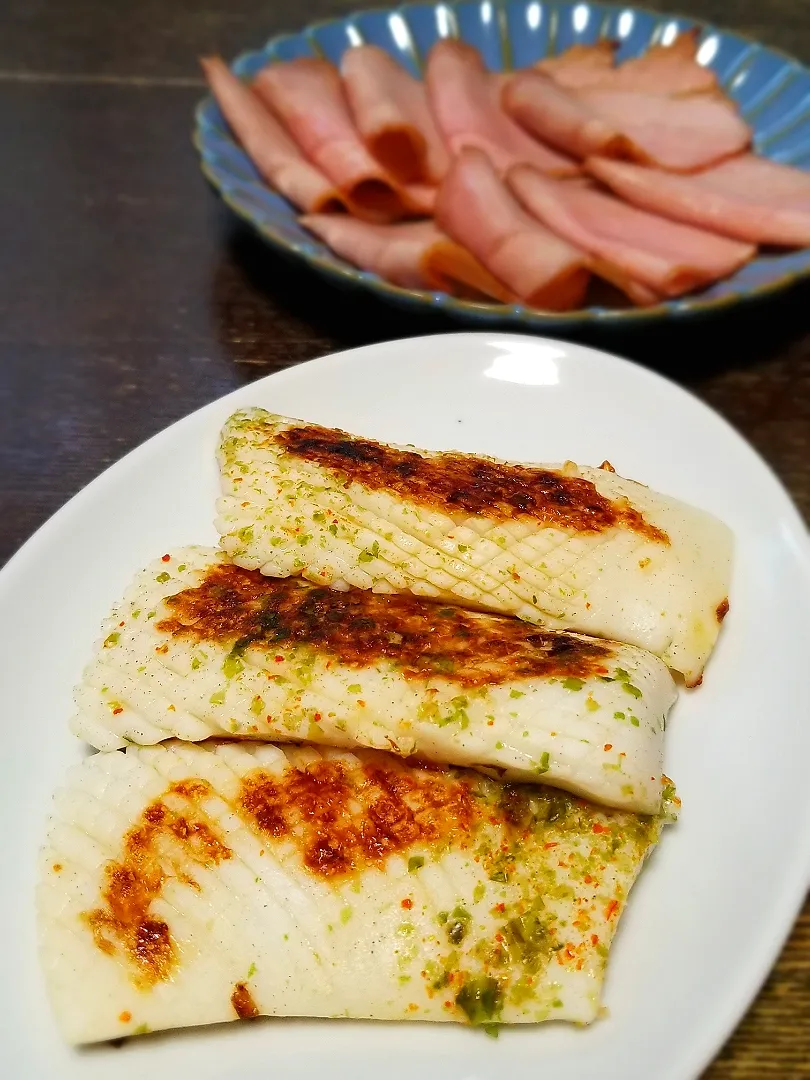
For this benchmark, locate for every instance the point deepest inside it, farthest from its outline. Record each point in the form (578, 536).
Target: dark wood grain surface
(128, 298)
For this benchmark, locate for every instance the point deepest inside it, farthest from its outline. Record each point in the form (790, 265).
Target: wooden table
(129, 297)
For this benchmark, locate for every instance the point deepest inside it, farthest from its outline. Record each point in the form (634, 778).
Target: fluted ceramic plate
(711, 909)
(771, 89)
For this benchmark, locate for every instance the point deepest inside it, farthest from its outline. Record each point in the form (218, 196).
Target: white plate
(713, 907)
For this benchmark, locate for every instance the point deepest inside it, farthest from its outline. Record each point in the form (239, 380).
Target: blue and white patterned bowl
(772, 90)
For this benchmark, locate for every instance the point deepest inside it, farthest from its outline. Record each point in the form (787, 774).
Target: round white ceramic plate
(713, 906)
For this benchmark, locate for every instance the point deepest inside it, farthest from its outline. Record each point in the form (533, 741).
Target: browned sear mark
(456, 483)
(243, 1003)
(346, 818)
(360, 627)
(722, 610)
(157, 848)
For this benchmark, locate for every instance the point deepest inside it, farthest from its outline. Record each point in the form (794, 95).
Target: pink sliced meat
(390, 111)
(581, 65)
(761, 180)
(560, 118)
(748, 198)
(464, 98)
(639, 294)
(413, 254)
(681, 134)
(277, 158)
(307, 96)
(668, 257)
(667, 69)
(670, 70)
(419, 199)
(475, 208)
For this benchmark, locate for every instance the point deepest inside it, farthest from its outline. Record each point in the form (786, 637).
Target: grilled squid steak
(200, 647)
(188, 884)
(567, 546)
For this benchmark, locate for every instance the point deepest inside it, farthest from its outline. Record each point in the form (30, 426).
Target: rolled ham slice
(681, 134)
(475, 208)
(307, 95)
(413, 254)
(581, 65)
(277, 158)
(664, 255)
(465, 100)
(748, 198)
(391, 112)
(560, 118)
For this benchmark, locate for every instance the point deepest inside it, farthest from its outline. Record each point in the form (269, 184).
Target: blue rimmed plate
(771, 89)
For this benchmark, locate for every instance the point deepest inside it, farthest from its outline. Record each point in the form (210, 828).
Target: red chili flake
(610, 910)
(361, 703)
(551, 844)
(166, 558)
(607, 746)
(279, 659)
(587, 879)
(125, 1017)
(407, 903)
(599, 828)
(316, 717)
(500, 908)
(123, 622)
(499, 937)
(489, 722)
(117, 710)
(594, 939)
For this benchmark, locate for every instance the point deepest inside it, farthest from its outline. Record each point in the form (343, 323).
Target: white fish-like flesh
(192, 884)
(569, 546)
(200, 647)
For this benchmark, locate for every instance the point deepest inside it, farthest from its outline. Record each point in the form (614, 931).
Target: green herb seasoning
(480, 999)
